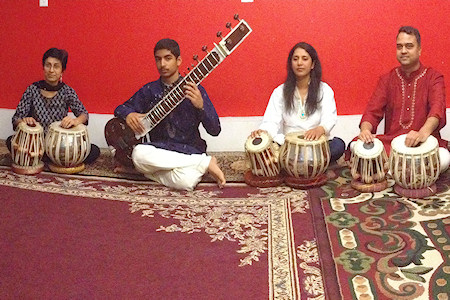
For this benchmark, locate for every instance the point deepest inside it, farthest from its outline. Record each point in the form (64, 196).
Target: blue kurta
(179, 131)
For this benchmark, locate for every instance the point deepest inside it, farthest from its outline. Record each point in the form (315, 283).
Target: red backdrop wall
(110, 45)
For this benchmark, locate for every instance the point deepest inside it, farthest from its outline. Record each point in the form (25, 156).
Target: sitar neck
(176, 95)
(196, 75)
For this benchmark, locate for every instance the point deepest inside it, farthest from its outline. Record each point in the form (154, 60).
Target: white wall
(235, 130)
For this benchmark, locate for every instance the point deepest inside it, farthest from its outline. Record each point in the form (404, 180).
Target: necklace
(301, 104)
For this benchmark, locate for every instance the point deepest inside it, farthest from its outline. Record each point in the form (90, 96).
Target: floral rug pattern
(386, 246)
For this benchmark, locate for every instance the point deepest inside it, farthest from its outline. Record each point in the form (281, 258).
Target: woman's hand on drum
(257, 132)
(413, 138)
(68, 122)
(134, 121)
(314, 134)
(30, 121)
(366, 136)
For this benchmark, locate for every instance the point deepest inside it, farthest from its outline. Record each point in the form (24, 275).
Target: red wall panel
(110, 45)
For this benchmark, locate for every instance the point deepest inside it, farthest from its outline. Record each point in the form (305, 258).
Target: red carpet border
(69, 236)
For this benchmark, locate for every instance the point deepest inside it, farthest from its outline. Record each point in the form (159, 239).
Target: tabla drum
(67, 148)
(305, 162)
(262, 153)
(414, 169)
(369, 166)
(27, 149)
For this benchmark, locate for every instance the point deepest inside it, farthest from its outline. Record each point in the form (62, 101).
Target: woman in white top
(303, 102)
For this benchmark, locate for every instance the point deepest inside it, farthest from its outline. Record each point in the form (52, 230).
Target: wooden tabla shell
(369, 161)
(27, 149)
(304, 159)
(263, 155)
(67, 147)
(414, 167)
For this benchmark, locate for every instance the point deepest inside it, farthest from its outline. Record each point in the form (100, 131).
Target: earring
(60, 78)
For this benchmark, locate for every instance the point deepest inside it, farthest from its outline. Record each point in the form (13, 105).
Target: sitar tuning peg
(205, 48)
(195, 57)
(219, 34)
(228, 25)
(236, 17)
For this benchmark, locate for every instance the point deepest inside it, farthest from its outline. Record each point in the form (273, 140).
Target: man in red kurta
(410, 97)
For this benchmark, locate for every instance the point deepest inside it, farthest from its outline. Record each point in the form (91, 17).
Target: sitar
(122, 138)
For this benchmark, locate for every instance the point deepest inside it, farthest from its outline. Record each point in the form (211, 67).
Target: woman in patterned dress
(49, 100)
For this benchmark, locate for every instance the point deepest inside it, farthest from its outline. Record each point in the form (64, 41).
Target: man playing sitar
(172, 153)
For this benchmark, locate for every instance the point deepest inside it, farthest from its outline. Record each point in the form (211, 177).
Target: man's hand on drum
(314, 134)
(134, 121)
(257, 132)
(413, 138)
(366, 136)
(30, 121)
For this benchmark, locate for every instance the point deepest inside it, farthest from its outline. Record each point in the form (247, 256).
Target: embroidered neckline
(400, 121)
(301, 104)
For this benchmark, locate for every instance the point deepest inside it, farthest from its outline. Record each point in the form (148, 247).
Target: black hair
(291, 80)
(411, 30)
(59, 54)
(168, 44)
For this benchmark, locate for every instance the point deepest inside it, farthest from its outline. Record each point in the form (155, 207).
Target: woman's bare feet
(216, 172)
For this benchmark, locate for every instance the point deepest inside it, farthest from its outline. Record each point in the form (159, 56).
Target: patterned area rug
(71, 236)
(74, 235)
(233, 164)
(386, 246)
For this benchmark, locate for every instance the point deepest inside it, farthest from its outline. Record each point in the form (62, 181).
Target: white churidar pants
(173, 169)
(444, 157)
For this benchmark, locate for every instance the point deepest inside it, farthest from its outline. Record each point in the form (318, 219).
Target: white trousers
(173, 169)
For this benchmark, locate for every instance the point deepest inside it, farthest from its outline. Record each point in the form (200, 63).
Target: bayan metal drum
(27, 149)
(304, 161)
(67, 148)
(369, 166)
(414, 169)
(262, 153)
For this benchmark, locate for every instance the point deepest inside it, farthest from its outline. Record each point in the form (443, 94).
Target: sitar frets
(174, 97)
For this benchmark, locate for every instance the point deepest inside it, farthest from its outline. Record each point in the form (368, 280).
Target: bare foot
(122, 169)
(216, 172)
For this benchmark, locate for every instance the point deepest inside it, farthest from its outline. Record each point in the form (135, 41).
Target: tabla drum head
(36, 128)
(56, 126)
(259, 143)
(368, 150)
(298, 138)
(398, 144)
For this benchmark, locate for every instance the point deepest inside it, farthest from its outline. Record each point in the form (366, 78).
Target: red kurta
(406, 103)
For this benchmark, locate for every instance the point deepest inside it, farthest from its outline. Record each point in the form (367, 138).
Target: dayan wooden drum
(305, 162)
(67, 148)
(262, 153)
(414, 169)
(369, 166)
(27, 149)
